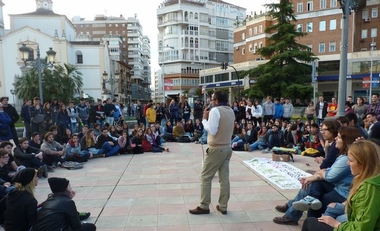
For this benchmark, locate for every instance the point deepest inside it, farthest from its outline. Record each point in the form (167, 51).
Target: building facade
(322, 21)
(193, 36)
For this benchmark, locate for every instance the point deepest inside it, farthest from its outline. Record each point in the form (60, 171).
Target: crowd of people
(85, 131)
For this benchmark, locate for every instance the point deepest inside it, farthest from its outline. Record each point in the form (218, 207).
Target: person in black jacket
(12, 113)
(105, 142)
(59, 211)
(276, 139)
(26, 117)
(18, 210)
(30, 157)
(321, 110)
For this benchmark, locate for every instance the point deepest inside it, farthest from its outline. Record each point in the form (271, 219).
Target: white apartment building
(194, 35)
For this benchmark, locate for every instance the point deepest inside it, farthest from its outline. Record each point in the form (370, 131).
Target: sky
(146, 11)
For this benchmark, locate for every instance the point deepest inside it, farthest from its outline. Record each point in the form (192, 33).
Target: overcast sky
(146, 11)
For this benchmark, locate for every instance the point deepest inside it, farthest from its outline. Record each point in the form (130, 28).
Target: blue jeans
(320, 121)
(239, 141)
(109, 120)
(109, 150)
(272, 142)
(336, 212)
(73, 128)
(258, 145)
(292, 213)
(101, 122)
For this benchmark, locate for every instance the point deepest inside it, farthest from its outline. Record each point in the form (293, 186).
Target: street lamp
(13, 92)
(51, 57)
(111, 80)
(373, 45)
(224, 66)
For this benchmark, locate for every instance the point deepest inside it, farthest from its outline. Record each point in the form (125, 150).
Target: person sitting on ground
(53, 152)
(83, 132)
(12, 165)
(124, 143)
(198, 130)
(136, 142)
(54, 129)
(35, 141)
(88, 145)
(18, 210)
(363, 201)
(30, 157)
(276, 139)
(97, 130)
(261, 142)
(353, 122)
(107, 143)
(189, 128)
(178, 130)
(322, 188)
(59, 211)
(237, 130)
(5, 179)
(112, 132)
(149, 136)
(74, 151)
(294, 137)
(66, 136)
(312, 142)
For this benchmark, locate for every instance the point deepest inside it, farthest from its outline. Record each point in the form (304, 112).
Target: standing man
(83, 113)
(109, 110)
(12, 113)
(139, 113)
(373, 107)
(198, 109)
(218, 122)
(37, 116)
(288, 110)
(26, 117)
(268, 110)
(321, 110)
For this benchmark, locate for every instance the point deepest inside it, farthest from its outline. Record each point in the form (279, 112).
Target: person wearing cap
(59, 211)
(18, 210)
(5, 125)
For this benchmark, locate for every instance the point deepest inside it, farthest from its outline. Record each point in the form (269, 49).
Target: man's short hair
(5, 143)
(36, 98)
(81, 99)
(4, 97)
(314, 125)
(34, 134)
(343, 120)
(22, 140)
(104, 128)
(53, 128)
(352, 116)
(221, 96)
(3, 152)
(47, 135)
(371, 113)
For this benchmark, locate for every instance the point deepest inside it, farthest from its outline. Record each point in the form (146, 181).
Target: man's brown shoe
(284, 220)
(224, 212)
(282, 208)
(198, 211)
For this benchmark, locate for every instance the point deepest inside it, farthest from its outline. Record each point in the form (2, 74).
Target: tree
(62, 82)
(287, 73)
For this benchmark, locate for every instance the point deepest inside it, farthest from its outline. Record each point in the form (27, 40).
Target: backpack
(184, 139)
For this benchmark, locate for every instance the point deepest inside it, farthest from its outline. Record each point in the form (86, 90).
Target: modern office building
(322, 21)
(194, 35)
(134, 49)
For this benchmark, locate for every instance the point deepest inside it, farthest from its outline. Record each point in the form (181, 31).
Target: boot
(282, 208)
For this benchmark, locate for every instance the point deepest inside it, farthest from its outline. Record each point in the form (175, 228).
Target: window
(261, 29)
(321, 47)
(364, 33)
(255, 30)
(375, 12)
(333, 24)
(322, 25)
(79, 57)
(373, 32)
(250, 31)
(309, 6)
(310, 46)
(243, 36)
(365, 14)
(333, 3)
(243, 51)
(332, 47)
(309, 28)
(110, 25)
(322, 4)
(299, 7)
(299, 27)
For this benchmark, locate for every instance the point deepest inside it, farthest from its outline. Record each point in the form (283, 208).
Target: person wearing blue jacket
(278, 108)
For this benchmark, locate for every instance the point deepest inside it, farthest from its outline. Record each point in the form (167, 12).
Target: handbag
(39, 118)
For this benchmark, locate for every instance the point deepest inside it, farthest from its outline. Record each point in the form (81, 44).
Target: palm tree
(62, 83)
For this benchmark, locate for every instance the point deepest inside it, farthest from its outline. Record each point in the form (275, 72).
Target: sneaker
(234, 144)
(84, 215)
(249, 149)
(307, 203)
(265, 151)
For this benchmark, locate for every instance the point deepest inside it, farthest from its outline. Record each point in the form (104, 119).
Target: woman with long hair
(48, 111)
(136, 142)
(325, 186)
(88, 143)
(360, 109)
(18, 210)
(257, 112)
(261, 142)
(363, 202)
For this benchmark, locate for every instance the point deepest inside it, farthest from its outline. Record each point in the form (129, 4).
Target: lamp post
(224, 66)
(370, 73)
(51, 57)
(13, 92)
(111, 80)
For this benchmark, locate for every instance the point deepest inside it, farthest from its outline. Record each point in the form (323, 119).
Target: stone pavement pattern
(154, 191)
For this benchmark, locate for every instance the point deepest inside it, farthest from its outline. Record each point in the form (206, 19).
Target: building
(322, 20)
(133, 50)
(193, 36)
(45, 29)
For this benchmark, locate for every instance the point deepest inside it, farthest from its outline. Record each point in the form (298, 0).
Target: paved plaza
(154, 191)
